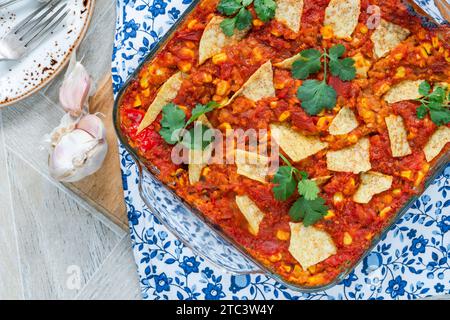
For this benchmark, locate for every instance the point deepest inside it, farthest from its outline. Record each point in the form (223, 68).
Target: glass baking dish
(193, 228)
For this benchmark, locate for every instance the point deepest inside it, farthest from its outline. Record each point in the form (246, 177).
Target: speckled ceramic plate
(19, 79)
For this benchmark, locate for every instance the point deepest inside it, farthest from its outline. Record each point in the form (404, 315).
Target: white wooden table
(53, 245)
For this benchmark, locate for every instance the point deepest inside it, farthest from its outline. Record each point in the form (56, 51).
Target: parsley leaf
(310, 211)
(229, 7)
(228, 25)
(265, 9)
(308, 189)
(436, 103)
(286, 183)
(198, 137)
(342, 68)
(173, 120)
(316, 95)
(243, 19)
(308, 64)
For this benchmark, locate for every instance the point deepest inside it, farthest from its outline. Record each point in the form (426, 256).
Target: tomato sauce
(214, 194)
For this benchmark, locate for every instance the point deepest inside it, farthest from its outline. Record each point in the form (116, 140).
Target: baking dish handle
(195, 232)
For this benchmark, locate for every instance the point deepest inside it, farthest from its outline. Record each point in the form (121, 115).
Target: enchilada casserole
(354, 95)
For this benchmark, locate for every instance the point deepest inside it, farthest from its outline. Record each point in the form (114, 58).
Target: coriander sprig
(240, 17)
(309, 207)
(435, 102)
(174, 125)
(314, 94)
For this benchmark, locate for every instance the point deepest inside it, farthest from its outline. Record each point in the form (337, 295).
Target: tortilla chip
(354, 159)
(362, 65)
(167, 92)
(320, 181)
(294, 144)
(342, 16)
(344, 122)
(310, 245)
(290, 13)
(398, 136)
(406, 90)
(372, 183)
(252, 165)
(386, 37)
(214, 40)
(258, 86)
(436, 143)
(198, 159)
(287, 63)
(251, 212)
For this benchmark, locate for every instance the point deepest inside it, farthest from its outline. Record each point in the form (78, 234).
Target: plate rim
(66, 58)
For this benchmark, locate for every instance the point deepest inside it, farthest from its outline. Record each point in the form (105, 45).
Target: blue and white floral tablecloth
(412, 261)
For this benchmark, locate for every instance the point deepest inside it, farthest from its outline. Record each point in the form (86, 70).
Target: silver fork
(28, 33)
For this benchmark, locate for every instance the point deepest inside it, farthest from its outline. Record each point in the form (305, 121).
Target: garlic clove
(77, 155)
(75, 89)
(93, 125)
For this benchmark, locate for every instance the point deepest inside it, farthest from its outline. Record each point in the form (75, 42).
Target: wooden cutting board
(103, 190)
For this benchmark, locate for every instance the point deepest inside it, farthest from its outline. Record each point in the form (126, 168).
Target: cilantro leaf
(308, 189)
(198, 137)
(246, 3)
(310, 211)
(173, 120)
(336, 51)
(438, 95)
(243, 19)
(438, 114)
(229, 7)
(308, 64)
(201, 109)
(316, 95)
(265, 9)
(424, 88)
(228, 25)
(422, 112)
(343, 68)
(286, 183)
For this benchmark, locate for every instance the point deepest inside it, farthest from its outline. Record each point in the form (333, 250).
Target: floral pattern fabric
(411, 262)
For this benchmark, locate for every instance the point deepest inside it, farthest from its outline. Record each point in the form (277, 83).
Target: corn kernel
(353, 138)
(206, 171)
(323, 123)
(447, 56)
(327, 32)
(192, 24)
(184, 66)
(273, 104)
(206, 77)
(398, 56)
(347, 239)
(401, 72)
(257, 54)
(387, 199)
(137, 101)
(275, 257)
(419, 179)
(435, 42)
(257, 22)
(146, 92)
(297, 271)
(383, 89)
(338, 197)
(426, 167)
(383, 212)
(369, 236)
(225, 126)
(186, 53)
(279, 85)
(275, 32)
(282, 235)
(222, 88)
(397, 192)
(427, 46)
(143, 83)
(406, 174)
(284, 116)
(423, 52)
(330, 215)
(219, 58)
(287, 268)
(364, 29)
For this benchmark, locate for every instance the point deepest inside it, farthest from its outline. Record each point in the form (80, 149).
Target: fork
(29, 32)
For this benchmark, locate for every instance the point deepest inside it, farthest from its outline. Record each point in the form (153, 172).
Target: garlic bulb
(78, 148)
(75, 89)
